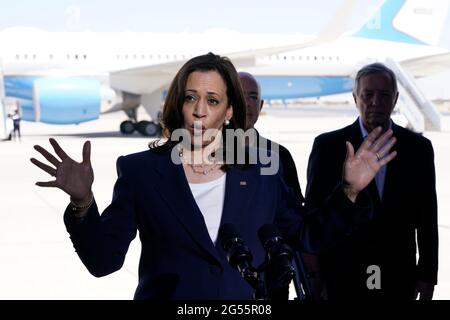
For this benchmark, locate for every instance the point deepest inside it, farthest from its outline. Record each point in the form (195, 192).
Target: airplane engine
(66, 101)
(55, 100)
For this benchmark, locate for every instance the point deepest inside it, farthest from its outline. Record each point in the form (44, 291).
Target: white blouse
(209, 197)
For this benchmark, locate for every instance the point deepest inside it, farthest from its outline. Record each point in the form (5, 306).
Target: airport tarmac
(38, 259)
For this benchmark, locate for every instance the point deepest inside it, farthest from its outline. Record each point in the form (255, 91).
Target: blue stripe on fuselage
(294, 87)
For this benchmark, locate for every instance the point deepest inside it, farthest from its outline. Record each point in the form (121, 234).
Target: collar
(364, 132)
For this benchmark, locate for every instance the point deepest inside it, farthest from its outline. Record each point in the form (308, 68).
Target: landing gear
(127, 127)
(146, 128)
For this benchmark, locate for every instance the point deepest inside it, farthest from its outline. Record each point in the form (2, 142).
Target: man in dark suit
(252, 93)
(378, 260)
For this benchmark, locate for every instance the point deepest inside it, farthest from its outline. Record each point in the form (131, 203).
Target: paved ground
(37, 257)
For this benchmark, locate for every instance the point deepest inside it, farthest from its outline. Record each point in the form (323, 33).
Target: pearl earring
(227, 122)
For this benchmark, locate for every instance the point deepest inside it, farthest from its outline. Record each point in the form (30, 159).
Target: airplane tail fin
(421, 22)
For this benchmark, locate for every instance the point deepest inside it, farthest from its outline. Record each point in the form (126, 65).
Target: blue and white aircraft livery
(63, 78)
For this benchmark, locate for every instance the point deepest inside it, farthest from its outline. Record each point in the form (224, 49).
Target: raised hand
(72, 177)
(361, 168)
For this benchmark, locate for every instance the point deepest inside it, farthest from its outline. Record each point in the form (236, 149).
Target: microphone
(280, 270)
(240, 257)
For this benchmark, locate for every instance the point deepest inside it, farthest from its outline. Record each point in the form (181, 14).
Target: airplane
(63, 78)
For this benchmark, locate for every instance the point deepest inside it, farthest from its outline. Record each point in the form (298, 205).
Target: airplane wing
(428, 65)
(145, 80)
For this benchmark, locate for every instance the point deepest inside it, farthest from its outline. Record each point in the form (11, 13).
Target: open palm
(74, 178)
(361, 167)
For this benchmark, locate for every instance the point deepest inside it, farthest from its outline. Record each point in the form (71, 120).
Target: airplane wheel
(127, 127)
(148, 128)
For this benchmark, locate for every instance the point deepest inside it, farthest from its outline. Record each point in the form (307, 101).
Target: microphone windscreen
(227, 232)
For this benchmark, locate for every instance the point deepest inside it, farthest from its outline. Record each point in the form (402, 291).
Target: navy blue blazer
(178, 259)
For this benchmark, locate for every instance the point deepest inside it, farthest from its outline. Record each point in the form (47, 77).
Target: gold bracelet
(83, 207)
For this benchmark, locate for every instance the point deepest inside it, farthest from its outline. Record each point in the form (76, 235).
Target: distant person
(178, 194)
(16, 124)
(252, 93)
(378, 261)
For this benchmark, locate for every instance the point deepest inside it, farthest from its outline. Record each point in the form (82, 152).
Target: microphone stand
(301, 281)
(252, 277)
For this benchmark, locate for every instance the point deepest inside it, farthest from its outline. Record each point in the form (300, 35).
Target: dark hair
(172, 115)
(376, 68)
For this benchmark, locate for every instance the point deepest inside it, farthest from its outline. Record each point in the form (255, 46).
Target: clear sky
(248, 16)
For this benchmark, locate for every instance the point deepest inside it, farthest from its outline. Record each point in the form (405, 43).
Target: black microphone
(280, 270)
(240, 257)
